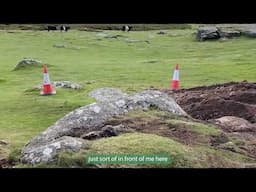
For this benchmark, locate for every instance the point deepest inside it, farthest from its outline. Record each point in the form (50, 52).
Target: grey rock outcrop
(250, 32)
(48, 152)
(225, 31)
(107, 94)
(66, 84)
(93, 117)
(206, 33)
(27, 63)
(58, 84)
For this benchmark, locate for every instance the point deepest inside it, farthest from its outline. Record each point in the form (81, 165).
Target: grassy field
(132, 63)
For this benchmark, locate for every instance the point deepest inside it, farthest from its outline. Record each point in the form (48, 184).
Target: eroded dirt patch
(161, 125)
(230, 106)
(211, 102)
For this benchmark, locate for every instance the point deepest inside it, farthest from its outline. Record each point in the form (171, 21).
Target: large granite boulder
(92, 118)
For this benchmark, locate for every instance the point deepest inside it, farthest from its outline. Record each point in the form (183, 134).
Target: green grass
(112, 63)
(138, 143)
(141, 144)
(199, 128)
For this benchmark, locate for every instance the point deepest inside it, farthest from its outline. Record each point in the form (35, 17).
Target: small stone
(3, 142)
(67, 85)
(161, 33)
(203, 95)
(59, 46)
(91, 135)
(232, 93)
(91, 82)
(223, 39)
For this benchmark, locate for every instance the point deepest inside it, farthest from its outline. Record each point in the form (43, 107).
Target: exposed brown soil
(211, 102)
(231, 106)
(159, 126)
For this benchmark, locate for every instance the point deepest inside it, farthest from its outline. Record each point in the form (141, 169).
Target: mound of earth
(211, 102)
(26, 62)
(230, 106)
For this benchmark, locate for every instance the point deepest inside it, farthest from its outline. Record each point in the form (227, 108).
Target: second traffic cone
(47, 86)
(175, 80)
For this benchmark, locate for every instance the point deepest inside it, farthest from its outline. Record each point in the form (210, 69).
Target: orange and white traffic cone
(47, 87)
(175, 79)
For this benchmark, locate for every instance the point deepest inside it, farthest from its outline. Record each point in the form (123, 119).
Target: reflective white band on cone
(176, 75)
(46, 79)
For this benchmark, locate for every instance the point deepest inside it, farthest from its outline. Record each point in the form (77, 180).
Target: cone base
(175, 85)
(47, 90)
(47, 94)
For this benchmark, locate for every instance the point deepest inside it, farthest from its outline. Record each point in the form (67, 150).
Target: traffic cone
(47, 87)
(175, 79)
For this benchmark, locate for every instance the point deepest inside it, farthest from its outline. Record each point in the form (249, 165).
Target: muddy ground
(211, 102)
(230, 106)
